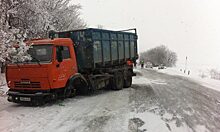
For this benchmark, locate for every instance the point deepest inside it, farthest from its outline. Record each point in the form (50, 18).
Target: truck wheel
(69, 91)
(82, 88)
(128, 80)
(117, 82)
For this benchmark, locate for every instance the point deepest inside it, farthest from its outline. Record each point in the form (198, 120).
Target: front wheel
(69, 91)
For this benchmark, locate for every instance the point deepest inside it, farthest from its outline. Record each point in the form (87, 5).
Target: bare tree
(40, 17)
(62, 15)
(26, 19)
(159, 55)
(11, 35)
(215, 74)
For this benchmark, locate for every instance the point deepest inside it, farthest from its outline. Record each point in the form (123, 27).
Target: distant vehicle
(161, 66)
(149, 65)
(71, 62)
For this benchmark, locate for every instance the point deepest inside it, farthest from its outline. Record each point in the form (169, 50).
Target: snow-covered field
(156, 102)
(194, 75)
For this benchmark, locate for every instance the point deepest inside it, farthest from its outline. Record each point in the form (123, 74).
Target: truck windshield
(41, 53)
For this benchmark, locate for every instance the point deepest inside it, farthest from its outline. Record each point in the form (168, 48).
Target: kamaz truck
(73, 62)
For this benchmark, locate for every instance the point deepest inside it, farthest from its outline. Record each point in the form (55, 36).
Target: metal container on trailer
(98, 48)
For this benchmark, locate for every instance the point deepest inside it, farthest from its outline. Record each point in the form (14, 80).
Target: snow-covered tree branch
(27, 19)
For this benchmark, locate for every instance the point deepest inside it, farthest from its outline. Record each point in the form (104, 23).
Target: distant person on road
(188, 72)
(135, 64)
(142, 64)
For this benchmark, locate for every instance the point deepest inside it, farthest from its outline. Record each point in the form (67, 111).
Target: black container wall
(97, 48)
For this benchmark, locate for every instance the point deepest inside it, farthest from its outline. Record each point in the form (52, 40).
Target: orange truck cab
(72, 62)
(45, 72)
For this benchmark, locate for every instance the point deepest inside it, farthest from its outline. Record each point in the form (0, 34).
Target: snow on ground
(208, 82)
(187, 102)
(3, 85)
(103, 111)
(152, 104)
(146, 112)
(155, 123)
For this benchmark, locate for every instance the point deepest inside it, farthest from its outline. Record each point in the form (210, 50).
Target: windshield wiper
(38, 61)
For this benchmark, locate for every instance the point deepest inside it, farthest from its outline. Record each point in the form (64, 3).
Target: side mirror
(59, 54)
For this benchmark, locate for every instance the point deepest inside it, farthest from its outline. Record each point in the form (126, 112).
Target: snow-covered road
(102, 111)
(156, 102)
(193, 104)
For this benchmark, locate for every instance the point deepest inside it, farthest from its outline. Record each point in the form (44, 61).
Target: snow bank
(3, 85)
(194, 75)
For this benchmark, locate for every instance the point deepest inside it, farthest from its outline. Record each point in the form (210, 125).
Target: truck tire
(69, 90)
(82, 88)
(117, 81)
(128, 80)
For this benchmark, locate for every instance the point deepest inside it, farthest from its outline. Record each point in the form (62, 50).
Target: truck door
(65, 68)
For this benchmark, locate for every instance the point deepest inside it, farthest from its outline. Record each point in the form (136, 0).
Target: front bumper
(17, 97)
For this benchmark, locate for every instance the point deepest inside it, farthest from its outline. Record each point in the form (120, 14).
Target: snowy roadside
(3, 90)
(3, 85)
(207, 82)
(139, 108)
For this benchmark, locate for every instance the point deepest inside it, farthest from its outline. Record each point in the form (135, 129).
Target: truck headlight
(10, 98)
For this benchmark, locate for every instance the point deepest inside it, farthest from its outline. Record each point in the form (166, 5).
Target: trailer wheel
(117, 82)
(128, 80)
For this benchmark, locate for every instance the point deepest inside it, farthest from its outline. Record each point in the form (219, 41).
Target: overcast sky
(188, 27)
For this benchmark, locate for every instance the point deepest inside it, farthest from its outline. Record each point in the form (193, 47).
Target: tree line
(159, 55)
(27, 19)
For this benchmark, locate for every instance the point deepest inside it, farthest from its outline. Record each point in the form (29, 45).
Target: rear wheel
(117, 81)
(128, 80)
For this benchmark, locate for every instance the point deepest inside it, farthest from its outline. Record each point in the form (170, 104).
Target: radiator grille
(27, 84)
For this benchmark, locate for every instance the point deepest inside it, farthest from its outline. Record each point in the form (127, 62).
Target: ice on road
(156, 102)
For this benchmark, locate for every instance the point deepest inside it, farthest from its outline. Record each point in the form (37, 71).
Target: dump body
(97, 48)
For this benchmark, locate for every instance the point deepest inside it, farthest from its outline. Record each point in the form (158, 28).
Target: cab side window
(65, 52)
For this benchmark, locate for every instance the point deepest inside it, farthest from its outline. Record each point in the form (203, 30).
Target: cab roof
(49, 41)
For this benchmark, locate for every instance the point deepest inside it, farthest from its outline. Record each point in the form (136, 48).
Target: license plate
(25, 99)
